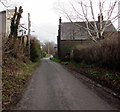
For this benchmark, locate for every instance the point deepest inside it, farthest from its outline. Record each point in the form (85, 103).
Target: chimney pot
(100, 18)
(60, 21)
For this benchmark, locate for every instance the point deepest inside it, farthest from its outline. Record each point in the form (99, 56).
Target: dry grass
(15, 75)
(16, 70)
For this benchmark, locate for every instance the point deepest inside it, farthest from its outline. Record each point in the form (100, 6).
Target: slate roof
(77, 30)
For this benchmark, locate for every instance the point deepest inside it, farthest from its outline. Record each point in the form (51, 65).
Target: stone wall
(68, 45)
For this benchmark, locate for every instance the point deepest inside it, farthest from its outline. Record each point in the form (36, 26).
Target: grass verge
(59, 61)
(15, 76)
(106, 77)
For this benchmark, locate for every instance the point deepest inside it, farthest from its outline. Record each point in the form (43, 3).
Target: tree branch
(4, 4)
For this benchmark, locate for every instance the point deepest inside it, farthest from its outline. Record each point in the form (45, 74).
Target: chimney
(60, 21)
(100, 18)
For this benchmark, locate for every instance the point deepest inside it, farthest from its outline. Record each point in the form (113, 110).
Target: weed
(55, 59)
(93, 72)
(65, 63)
(14, 78)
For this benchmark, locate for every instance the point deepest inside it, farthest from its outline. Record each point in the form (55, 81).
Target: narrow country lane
(54, 88)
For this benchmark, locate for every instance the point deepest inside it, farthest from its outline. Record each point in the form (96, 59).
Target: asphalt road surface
(52, 87)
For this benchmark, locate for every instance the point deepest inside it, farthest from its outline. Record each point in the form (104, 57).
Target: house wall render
(5, 22)
(68, 45)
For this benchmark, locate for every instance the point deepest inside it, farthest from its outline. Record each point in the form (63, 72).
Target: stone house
(72, 34)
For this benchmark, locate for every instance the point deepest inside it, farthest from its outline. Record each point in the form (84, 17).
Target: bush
(34, 50)
(43, 54)
(55, 59)
(104, 52)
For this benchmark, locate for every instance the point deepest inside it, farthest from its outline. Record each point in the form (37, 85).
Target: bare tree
(84, 10)
(15, 21)
(49, 47)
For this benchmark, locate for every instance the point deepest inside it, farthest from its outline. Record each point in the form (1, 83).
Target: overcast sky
(44, 17)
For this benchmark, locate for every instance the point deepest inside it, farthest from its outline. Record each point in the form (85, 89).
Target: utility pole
(48, 48)
(28, 37)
